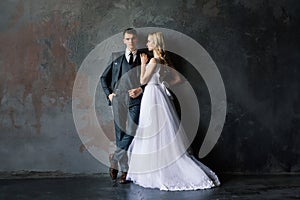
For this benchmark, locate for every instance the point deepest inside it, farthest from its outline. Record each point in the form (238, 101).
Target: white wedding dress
(157, 154)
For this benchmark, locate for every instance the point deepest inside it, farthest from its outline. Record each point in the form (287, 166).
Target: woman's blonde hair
(159, 46)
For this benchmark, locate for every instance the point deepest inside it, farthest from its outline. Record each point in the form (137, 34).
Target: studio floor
(101, 187)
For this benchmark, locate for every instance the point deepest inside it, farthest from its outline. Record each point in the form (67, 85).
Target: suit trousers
(126, 118)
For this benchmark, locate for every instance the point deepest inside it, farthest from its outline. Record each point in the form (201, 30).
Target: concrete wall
(255, 45)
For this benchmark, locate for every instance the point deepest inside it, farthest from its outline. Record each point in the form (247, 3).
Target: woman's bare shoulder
(153, 60)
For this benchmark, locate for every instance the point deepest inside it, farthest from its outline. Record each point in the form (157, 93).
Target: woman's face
(150, 43)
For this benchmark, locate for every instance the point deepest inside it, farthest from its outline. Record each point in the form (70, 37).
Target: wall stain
(18, 13)
(13, 123)
(211, 8)
(36, 57)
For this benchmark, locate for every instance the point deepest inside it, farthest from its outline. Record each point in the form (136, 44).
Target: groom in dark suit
(120, 82)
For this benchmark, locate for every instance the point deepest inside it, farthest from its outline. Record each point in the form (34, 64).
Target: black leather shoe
(113, 170)
(113, 173)
(123, 178)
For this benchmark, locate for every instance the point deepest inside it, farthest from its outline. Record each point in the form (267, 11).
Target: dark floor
(101, 187)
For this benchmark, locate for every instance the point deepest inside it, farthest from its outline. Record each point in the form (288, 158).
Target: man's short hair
(130, 31)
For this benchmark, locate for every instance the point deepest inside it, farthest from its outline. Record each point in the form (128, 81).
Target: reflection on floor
(101, 187)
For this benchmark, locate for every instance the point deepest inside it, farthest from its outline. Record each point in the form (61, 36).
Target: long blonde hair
(159, 46)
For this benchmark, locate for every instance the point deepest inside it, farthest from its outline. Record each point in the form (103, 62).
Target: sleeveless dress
(157, 154)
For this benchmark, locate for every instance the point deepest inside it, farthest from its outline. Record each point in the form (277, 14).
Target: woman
(158, 157)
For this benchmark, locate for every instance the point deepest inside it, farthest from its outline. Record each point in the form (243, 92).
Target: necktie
(130, 58)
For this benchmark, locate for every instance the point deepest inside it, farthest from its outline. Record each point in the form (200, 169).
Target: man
(120, 82)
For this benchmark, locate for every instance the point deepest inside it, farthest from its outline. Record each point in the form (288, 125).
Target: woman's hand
(144, 58)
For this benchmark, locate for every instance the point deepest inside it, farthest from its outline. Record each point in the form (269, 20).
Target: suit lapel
(117, 66)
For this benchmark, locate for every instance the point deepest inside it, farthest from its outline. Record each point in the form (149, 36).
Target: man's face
(130, 41)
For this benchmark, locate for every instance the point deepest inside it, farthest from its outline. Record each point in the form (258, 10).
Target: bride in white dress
(158, 157)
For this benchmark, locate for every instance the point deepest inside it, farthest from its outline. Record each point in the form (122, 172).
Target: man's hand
(110, 97)
(133, 93)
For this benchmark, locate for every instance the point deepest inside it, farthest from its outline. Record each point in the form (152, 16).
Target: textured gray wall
(255, 44)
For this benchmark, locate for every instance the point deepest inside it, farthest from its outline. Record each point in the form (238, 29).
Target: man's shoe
(123, 178)
(113, 170)
(113, 173)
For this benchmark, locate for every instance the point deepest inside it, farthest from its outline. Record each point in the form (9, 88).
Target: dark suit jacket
(112, 74)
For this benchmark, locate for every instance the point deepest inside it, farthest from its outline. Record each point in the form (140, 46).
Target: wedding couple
(147, 128)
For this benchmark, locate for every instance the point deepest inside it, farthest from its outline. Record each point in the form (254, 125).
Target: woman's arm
(175, 77)
(146, 74)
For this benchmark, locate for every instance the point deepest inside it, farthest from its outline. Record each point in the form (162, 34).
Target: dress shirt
(127, 52)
